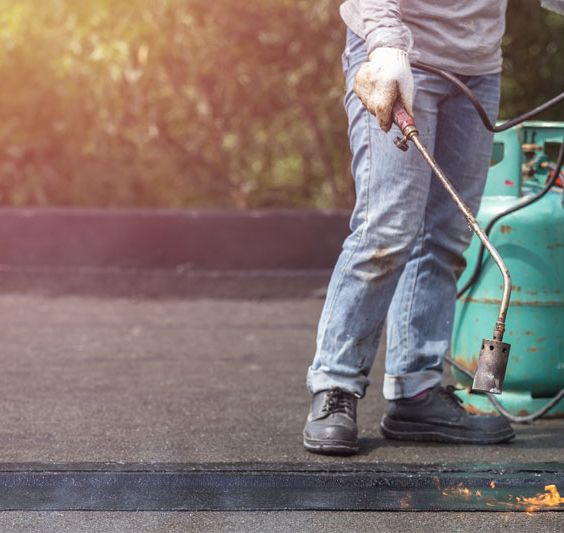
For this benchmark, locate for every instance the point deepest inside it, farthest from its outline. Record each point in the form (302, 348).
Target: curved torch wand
(494, 353)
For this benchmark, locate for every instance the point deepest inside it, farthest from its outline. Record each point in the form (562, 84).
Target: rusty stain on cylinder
(505, 228)
(471, 365)
(533, 349)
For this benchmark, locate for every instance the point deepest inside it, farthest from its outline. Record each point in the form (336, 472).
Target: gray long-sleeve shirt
(462, 36)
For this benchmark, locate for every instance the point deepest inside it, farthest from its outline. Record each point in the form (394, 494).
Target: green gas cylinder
(531, 242)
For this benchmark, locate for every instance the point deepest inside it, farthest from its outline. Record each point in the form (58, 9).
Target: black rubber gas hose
(524, 203)
(478, 106)
(495, 402)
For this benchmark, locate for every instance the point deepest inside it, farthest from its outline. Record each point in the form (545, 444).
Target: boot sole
(400, 430)
(330, 448)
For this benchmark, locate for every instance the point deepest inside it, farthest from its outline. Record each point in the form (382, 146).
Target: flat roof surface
(145, 377)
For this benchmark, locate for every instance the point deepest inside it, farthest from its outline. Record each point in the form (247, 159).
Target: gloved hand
(382, 80)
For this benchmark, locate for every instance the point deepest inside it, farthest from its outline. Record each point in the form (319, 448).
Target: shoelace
(448, 393)
(338, 401)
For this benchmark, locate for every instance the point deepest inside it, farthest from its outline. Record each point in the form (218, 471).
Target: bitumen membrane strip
(276, 487)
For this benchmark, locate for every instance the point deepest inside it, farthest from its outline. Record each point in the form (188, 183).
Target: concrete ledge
(252, 487)
(171, 239)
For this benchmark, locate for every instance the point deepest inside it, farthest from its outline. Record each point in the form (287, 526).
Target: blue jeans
(403, 255)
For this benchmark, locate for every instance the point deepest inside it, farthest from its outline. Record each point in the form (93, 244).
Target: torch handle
(402, 118)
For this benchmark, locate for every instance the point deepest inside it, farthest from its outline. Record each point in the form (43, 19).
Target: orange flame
(550, 498)
(460, 490)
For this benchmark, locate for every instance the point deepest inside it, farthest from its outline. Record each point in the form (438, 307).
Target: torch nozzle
(492, 365)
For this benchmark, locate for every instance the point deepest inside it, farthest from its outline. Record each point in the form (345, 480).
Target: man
(404, 253)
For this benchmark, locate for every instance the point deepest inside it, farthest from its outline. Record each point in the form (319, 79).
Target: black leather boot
(331, 423)
(439, 416)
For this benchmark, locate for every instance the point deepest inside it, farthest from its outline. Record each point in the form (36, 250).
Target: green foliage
(533, 69)
(180, 103)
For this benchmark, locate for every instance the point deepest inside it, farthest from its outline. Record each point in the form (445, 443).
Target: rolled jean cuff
(319, 380)
(410, 384)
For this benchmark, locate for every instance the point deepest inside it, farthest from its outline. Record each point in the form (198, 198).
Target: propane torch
(494, 353)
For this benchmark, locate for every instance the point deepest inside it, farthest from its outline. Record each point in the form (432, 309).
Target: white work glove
(382, 80)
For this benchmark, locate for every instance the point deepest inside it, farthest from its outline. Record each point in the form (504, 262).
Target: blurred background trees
(199, 103)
